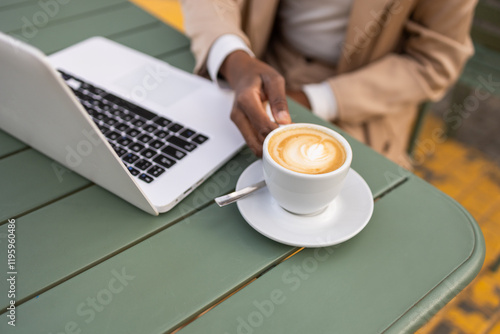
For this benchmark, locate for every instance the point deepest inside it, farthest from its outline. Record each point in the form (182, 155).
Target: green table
(88, 262)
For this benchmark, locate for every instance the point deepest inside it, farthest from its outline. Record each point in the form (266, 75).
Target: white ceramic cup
(299, 193)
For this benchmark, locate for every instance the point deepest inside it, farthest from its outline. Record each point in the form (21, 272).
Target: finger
(247, 131)
(274, 88)
(250, 103)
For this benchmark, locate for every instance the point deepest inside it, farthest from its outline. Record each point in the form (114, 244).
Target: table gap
(217, 302)
(18, 4)
(47, 203)
(15, 152)
(391, 188)
(211, 307)
(79, 16)
(136, 29)
(169, 53)
(145, 27)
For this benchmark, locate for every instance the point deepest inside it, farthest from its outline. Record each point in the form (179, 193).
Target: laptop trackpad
(155, 83)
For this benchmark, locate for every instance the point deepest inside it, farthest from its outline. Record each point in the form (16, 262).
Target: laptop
(135, 125)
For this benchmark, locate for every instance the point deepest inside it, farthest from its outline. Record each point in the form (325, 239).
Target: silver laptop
(140, 128)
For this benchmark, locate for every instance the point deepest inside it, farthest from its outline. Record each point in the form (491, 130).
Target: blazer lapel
(366, 21)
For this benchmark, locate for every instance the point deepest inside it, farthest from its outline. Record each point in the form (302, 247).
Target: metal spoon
(236, 195)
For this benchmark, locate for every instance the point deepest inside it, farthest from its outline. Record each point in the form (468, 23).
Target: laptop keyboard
(147, 143)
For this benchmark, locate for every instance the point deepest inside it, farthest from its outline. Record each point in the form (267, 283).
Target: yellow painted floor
(167, 10)
(474, 181)
(465, 174)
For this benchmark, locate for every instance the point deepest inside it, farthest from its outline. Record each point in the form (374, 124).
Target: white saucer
(343, 219)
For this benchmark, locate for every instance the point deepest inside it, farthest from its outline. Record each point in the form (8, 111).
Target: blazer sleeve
(435, 49)
(221, 16)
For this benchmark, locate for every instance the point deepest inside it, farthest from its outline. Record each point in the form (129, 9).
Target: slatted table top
(88, 262)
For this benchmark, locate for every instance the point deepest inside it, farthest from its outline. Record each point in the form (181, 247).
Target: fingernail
(283, 117)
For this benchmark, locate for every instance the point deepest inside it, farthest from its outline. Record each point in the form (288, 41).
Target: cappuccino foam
(307, 150)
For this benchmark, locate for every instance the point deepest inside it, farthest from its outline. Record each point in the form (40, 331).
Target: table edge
(450, 286)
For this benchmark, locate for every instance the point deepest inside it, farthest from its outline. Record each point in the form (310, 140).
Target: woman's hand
(255, 83)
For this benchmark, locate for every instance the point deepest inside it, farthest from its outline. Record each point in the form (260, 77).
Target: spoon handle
(234, 196)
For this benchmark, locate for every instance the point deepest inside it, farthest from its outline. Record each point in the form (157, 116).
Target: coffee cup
(305, 166)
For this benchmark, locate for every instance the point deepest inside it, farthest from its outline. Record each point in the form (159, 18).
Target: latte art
(307, 150)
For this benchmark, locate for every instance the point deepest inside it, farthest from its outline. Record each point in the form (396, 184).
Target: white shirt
(316, 28)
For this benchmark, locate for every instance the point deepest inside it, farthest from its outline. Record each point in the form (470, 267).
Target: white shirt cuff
(221, 48)
(322, 99)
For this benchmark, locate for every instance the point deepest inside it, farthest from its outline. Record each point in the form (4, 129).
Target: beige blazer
(397, 54)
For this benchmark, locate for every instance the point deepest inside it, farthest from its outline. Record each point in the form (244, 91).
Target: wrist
(221, 48)
(230, 67)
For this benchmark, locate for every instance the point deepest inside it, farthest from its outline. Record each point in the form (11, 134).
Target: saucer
(345, 217)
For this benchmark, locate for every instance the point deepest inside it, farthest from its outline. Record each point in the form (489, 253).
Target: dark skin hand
(254, 83)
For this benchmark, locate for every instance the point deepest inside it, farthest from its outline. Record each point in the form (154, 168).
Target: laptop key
(162, 121)
(187, 133)
(139, 122)
(141, 111)
(113, 135)
(110, 121)
(146, 178)
(144, 138)
(133, 171)
(164, 161)
(156, 144)
(104, 129)
(114, 99)
(133, 132)
(124, 141)
(119, 150)
(143, 164)
(64, 75)
(99, 115)
(156, 171)
(200, 139)
(74, 83)
(130, 158)
(176, 127)
(173, 152)
(116, 112)
(90, 110)
(98, 104)
(161, 134)
(148, 153)
(150, 128)
(179, 142)
(130, 106)
(121, 127)
(127, 117)
(94, 90)
(136, 147)
(82, 96)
